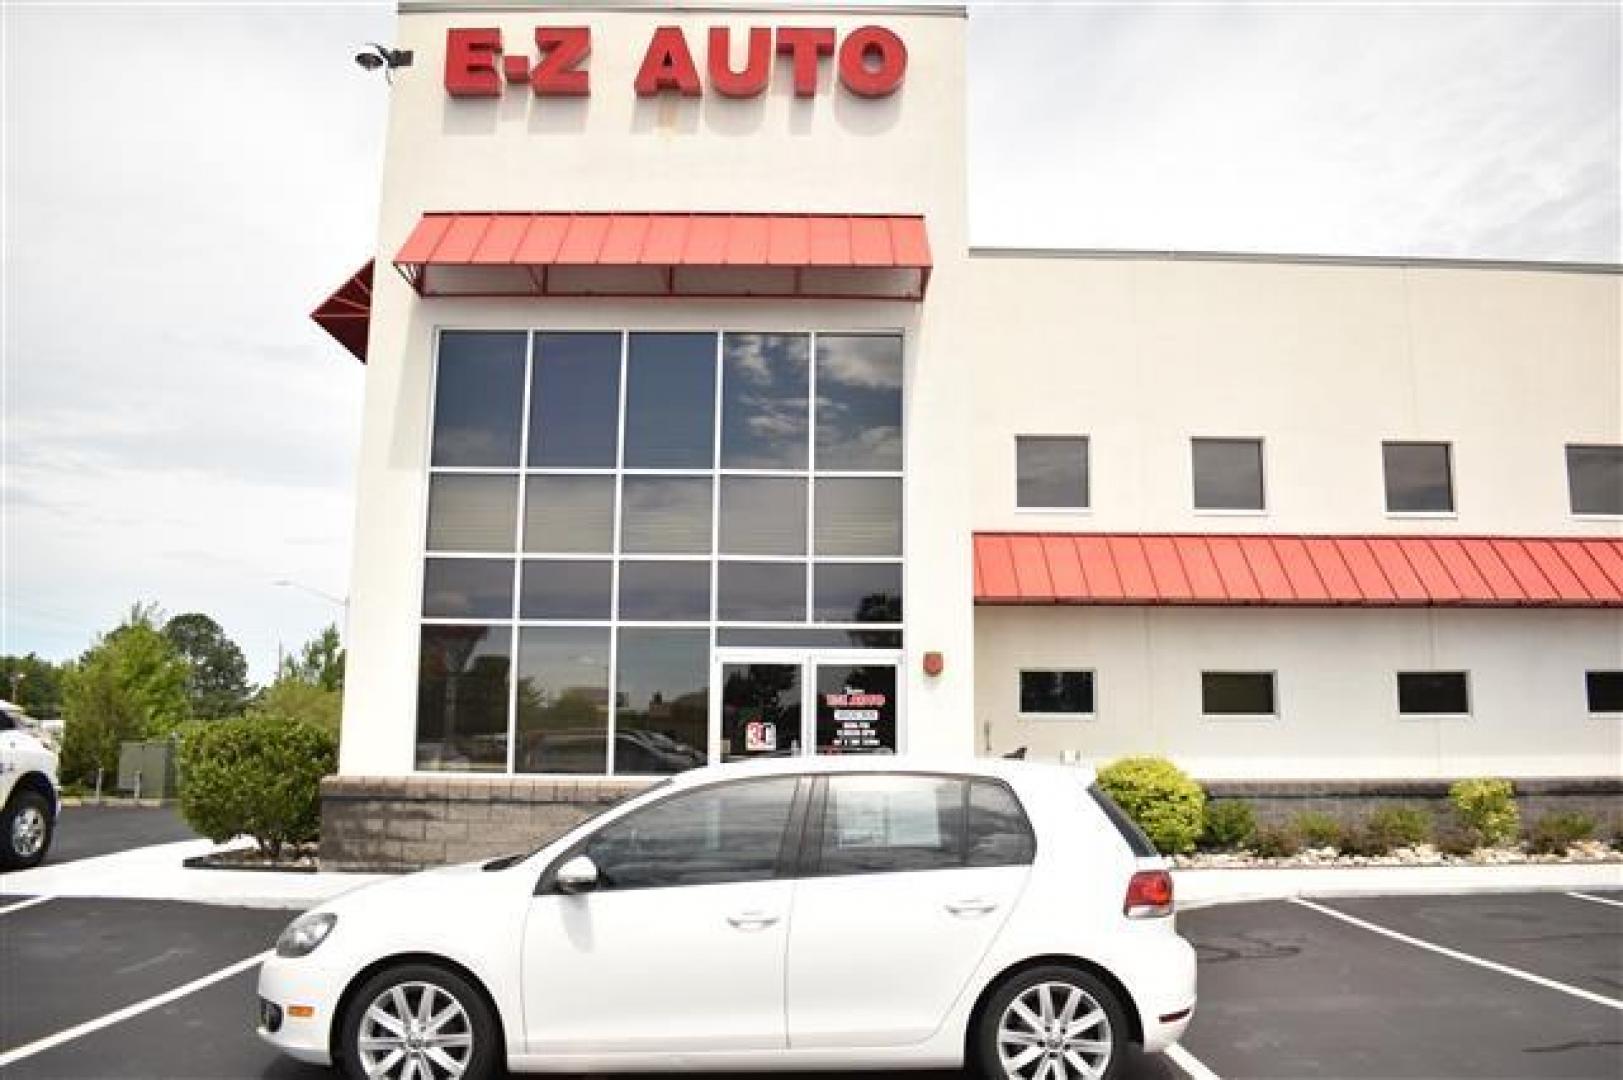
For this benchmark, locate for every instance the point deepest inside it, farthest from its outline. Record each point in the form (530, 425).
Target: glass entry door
(779, 704)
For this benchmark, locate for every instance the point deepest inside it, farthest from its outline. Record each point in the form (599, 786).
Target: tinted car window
(728, 833)
(999, 834)
(890, 824)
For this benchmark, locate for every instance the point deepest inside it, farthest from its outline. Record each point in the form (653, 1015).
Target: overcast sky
(182, 184)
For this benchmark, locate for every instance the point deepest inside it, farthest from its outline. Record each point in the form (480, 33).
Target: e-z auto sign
(871, 62)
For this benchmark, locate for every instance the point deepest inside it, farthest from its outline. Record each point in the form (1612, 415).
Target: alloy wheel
(1054, 1031)
(28, 832)
(415, 1031)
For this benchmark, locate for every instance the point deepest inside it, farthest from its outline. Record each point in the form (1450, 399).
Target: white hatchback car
(835, 913)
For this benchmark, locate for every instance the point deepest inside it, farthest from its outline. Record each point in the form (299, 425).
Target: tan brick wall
(409, 823)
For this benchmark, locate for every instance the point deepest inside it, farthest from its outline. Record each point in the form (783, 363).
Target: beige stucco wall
(1336, 689)
(1322, 362)
(614, 151)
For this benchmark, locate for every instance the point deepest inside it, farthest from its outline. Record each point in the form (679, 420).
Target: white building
(694, 430)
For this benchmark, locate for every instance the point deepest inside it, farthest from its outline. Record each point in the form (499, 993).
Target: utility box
(154, 763)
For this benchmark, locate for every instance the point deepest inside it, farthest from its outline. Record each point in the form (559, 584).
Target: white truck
(28, 793)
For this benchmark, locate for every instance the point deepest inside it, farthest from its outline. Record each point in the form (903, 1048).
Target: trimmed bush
(1487, 807)
(1161, 797)
(1555, 833)
(1275, 842)
(1317, 830)
(1230, 825)
(1457, 840)
(1400, 826)
(257, 775)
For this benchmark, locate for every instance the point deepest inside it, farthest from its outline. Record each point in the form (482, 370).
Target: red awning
(1363, 571)
(812, 256)
(347, 313)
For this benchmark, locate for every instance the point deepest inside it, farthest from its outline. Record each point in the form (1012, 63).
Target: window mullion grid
(518, 559)
(712, 746)
(614, 547)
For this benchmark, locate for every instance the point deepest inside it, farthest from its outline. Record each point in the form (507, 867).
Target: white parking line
(19, 905)
(1596, 899)
(1190, 1064)
(1455, 954)
(90, 1026)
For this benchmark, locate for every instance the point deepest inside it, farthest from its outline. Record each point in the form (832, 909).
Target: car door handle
(752, 920)
(972, 908)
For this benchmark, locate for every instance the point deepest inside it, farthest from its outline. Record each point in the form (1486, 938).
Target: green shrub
(1488, 808)
(1555, 832)
(1317, 830)
(1230, 825)
(257, 776)
(1275, 842)
(1161, 797)
(1400, 826)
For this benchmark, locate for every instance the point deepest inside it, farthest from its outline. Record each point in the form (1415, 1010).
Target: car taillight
(1149, 895)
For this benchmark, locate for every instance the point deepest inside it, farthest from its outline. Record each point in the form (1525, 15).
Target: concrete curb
(1208, 888)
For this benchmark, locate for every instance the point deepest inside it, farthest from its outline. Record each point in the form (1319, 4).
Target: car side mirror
(578, 875)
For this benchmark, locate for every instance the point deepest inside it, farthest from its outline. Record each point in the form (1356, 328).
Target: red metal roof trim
(1304, 571)
(821, 256)
(347, 313)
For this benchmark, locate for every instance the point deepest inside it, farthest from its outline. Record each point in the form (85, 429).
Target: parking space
(1288, 990)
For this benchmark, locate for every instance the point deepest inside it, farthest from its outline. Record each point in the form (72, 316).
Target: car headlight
(305, 933)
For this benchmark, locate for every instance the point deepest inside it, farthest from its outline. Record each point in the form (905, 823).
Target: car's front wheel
(25, 830)
(1052, 1023)
(418, 1022)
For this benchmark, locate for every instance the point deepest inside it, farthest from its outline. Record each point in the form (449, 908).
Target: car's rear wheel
(25, 830)
(418, 1022)
(1052, 1023)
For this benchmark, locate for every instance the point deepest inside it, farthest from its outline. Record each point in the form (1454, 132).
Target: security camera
(370, 61)
(375, 56)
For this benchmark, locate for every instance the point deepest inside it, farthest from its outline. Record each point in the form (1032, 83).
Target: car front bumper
(286, 989)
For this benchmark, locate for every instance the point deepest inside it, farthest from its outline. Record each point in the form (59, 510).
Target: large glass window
(662, 700)
(563, 699)
(671, 401)
(463, 680)
(1419, 478)
(859, 402)
(1595, 479)
(669, 492)
(478, 398)
(766, 380)
(1228, 474)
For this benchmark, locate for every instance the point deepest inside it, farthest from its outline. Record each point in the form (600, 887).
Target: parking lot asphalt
(1287, 990)
(83, 832)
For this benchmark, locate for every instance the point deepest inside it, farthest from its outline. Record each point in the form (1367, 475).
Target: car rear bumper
(1166, 991)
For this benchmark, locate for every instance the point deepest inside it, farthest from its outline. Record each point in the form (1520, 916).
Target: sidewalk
(158, 873)
(1206, 888)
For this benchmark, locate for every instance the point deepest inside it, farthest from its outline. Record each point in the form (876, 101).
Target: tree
(320, 662)
(131, 684)
(293, 699)
(217, 684)
(33, 683)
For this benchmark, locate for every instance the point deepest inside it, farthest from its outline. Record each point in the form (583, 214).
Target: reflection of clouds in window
(766, 379)
(859, 517)
(468, 588)
(1051, 471)
(859, 402)
(763, 516)
(478, 396)
(472, 513)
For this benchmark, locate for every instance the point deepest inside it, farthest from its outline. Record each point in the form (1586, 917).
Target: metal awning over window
(811, 256)
(1324, 571)
(347, 313)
